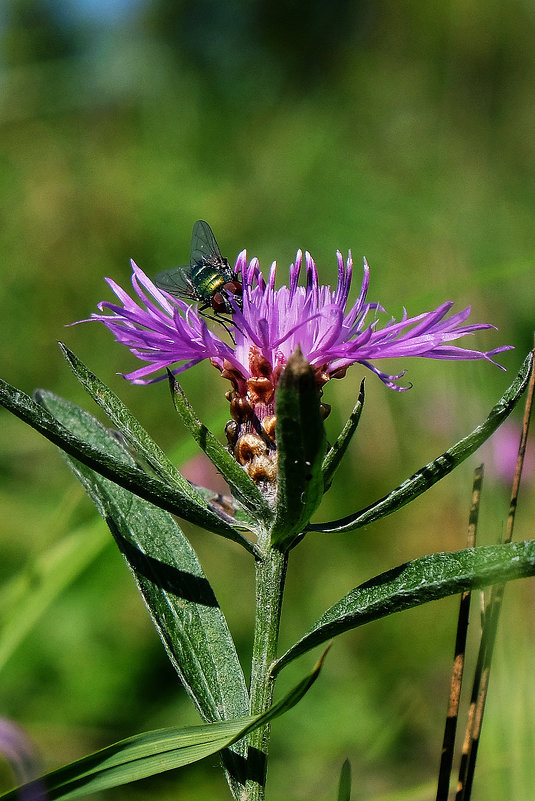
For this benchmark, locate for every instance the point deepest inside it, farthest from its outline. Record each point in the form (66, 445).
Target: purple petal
(167, 332)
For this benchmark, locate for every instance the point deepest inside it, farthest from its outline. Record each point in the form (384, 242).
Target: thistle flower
(267, 326)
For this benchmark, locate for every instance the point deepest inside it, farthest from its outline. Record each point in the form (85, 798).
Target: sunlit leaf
(243, 487)
(155, 752)
(131, 429)
(414, 583)
(425, 477)
(170, 578)
(126, 475)
(177, 593)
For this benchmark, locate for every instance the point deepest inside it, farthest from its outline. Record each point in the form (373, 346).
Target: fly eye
(218, 303)
(233, 288)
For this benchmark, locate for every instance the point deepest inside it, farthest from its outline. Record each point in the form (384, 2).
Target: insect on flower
(266, 325)
(208, 279)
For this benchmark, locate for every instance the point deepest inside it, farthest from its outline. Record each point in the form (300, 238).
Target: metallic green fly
(208, 279)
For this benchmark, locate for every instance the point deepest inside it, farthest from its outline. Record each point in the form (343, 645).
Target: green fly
(208, 279)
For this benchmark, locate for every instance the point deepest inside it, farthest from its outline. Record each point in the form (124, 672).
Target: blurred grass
(405, 136)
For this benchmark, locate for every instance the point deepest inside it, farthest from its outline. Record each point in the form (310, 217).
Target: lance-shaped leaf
(171, 581)
(337, 450)
(344, 786)
(301, 446)
(414, 583)
(126, 475)
(131, 429)
(425, 477)
(151, 753)
(241, 485)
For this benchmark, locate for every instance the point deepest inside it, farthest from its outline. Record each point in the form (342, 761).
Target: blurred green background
(402, 130)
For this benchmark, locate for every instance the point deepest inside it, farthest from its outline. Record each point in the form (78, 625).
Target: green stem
(270, 577)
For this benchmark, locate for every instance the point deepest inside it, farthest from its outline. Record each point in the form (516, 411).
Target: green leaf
(228, 508)
(344, 787)
(301, 446)
(241, 485)
(151, 753)
(25, 598)
(126, 475)
(171, 581)
(146, 449)
(131, 429)
(414, 583)
(336, 452)
(424, 478)
(170, 578)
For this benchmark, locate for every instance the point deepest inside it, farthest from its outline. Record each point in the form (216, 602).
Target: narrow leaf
(424, 478)
(131, 429)
(414, 583)
(127, 476)
(344, 787)
(151, 753)
(336, 451)
(301, 446)
(171, 581)
(241, 485)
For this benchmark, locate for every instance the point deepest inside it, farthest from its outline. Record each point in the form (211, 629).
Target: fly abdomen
(207, 281)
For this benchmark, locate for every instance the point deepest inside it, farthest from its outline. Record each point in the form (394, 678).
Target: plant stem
(270, 577)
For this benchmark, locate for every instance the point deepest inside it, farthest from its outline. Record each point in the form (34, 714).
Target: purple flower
(20, 753)
(268, 324)
(500, 452)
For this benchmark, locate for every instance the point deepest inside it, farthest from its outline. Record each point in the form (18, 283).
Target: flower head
(266, 327)
(268, 324)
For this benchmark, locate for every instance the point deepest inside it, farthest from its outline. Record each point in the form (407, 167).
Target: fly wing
(204, 248)
(177, 282)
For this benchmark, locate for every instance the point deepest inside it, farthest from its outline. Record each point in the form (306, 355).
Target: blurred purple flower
(500, 452)
(20, 753)
(268, 324)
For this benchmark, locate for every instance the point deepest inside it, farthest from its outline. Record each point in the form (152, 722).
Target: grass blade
(28, 595)
(151, 753)
(450, 727)
(488, 638)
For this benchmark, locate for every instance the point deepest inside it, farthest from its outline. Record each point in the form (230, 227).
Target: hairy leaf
(126, 475)
(425, 477)
(178, 595)
(131, 429)
(414, 583)
(301, 446)
(242, 486)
